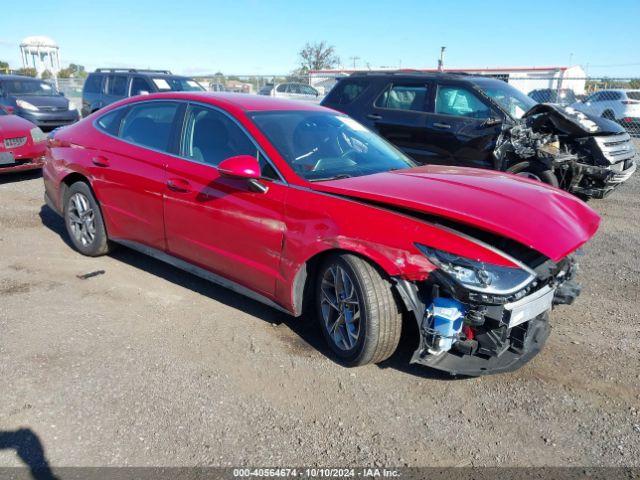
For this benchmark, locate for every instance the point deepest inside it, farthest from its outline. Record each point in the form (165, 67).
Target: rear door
(459, 132)
(117, 88)
(129, 169)
(219, 223)
(399, 114)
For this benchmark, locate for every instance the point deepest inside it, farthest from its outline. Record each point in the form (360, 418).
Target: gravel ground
(144, 365)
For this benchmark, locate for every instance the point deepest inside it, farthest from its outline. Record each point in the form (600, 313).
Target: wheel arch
(303, 284)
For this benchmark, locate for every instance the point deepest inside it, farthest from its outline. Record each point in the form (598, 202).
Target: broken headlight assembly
(479, 276)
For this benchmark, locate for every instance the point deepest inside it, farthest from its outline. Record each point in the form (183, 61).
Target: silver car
(622, 106)
(291, 90)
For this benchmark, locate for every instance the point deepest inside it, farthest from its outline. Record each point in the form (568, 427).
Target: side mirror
(241, 166)
(61, 94)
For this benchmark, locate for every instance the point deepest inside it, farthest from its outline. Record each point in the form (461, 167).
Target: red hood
(545, 219)
(14, 126)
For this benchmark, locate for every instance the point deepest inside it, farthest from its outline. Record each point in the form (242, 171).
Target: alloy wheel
(341, 307)
(82, 219)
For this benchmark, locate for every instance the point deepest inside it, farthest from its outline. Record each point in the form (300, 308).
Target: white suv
(291, 90)
(622, 106)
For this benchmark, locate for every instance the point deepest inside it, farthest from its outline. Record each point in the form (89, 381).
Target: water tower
(41, 53)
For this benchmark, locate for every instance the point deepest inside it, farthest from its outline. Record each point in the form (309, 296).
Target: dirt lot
(146, 365)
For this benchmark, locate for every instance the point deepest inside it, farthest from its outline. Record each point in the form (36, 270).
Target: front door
(399, 115)
(462, 130)
(222, 224)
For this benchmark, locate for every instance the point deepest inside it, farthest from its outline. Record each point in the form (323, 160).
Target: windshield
(176, 84)
(509, 98)
(28, 87)
(324, 146)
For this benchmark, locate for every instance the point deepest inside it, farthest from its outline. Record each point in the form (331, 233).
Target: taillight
(7, 109)
(627, 119)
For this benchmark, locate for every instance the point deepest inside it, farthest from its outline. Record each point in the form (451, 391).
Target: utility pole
(441, 60)
(354, 59)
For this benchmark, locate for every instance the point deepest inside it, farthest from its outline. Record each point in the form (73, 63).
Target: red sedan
(297, 206)
(22, 144)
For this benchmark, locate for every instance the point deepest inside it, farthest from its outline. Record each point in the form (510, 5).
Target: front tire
(83, 219)
(357, 311)
(535, 171)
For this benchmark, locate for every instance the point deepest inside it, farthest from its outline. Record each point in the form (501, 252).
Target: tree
(635, 83)
(27, 72)
(4, 66)
(65, 73)
(317, 56)
(47, 75)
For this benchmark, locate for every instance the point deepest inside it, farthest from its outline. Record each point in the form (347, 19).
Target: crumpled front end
(589, 156)
(465, 331)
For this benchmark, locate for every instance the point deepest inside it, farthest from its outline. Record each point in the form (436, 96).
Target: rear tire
(357, 311)
(83, 219)
(535, 171)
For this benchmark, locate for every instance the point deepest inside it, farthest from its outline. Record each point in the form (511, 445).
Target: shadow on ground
(28, 447)
(14, 177)
(307, 330)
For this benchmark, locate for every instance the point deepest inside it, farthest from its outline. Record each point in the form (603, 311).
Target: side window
(139, 84)
(346, 91)
(210, 137)
(93, 84)
(403, 97)
(149, 124)
(117, 85)
(460, 102)
(597, 97)
(308, 90)
(282, 88)
(110, 123)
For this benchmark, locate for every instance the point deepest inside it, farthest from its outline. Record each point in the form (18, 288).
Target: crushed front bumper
(598, 182)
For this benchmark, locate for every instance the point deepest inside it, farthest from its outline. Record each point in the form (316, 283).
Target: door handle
(441, 125)
(100, 161)
(178, 185)
(373, 116)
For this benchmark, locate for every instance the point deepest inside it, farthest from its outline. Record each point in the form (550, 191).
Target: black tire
(609, 115)
(535, 171)
(380, 319)
(94, 241)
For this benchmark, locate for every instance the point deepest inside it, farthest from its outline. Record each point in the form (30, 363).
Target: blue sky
(263, 37)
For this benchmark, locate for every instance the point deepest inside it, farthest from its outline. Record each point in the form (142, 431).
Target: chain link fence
(616, 99)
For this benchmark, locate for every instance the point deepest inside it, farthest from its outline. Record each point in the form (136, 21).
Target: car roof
(20, 77)
(244, 101)
(407, 75)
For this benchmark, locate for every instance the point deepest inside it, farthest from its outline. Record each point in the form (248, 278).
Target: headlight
(478, 276)
(38, 135)
(26, 105)
(72, 106)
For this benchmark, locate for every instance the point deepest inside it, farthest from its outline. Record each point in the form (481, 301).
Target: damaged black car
(481, 122)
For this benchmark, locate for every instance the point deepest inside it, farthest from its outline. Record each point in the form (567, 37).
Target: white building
(525, 79)
(41, 53)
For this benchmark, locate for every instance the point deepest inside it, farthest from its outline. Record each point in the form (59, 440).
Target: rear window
(117, 85)
(110, 123)
(93, 84)
(633, 95)
(346, 91)
(403, 97)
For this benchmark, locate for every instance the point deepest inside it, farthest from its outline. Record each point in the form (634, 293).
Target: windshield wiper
(335, 177)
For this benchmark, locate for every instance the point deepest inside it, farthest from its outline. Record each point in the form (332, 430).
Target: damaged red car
(304, 209)
(22, 144)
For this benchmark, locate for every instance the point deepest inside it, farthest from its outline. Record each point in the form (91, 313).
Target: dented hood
(543, 218)
(572, 122)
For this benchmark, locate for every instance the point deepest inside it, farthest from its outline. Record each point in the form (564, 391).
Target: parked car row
(307, 210)
(362, 214)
